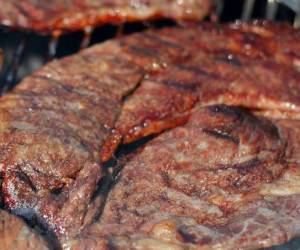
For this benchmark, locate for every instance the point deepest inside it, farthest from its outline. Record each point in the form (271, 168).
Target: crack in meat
(69, 15)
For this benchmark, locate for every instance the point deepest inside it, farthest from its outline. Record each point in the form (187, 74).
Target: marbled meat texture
(69, 15)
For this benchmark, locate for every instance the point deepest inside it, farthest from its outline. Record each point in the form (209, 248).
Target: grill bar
(52, 46)
(12, 71)
(272, 8)
(87, 36)
(247, 9)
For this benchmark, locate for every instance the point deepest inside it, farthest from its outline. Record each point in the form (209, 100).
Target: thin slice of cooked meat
(257, 39)
(162, 101)
(63, 15)
(15, 234)
(284, 48)
(222, 181)
(255, 84)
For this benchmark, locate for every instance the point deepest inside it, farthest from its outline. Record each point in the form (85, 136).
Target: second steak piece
(63, 15)
(221, 181)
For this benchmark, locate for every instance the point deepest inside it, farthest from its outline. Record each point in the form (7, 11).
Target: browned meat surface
(52, 128)
(247, 65)
(70, 15)
(222, 181)
(15, 234)
(224, 172)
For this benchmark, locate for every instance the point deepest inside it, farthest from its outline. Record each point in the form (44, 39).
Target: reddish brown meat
(64, 15)
(222, 181)
(55, 123)
(231, 70)
(15, 234)
(53, 126)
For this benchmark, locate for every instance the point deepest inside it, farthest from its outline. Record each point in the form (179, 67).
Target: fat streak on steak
(15, 234)
(222, 181)
(69, 15)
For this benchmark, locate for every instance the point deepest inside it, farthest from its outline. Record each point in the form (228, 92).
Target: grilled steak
(15, 234)
(222, 181)
(63, 15)
(233, 69)
(53, 125)
(55, 122)
(195, 185)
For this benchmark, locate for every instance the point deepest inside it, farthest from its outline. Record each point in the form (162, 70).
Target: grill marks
(56, 122)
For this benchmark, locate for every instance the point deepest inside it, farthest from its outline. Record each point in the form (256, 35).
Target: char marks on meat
(221, 181)
(70, 15)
